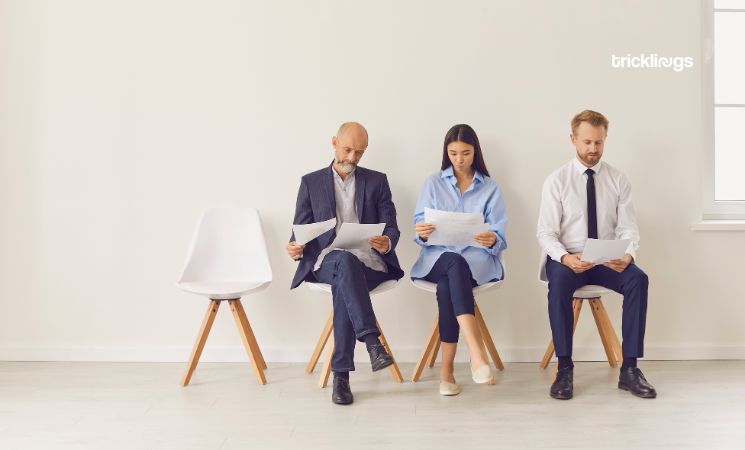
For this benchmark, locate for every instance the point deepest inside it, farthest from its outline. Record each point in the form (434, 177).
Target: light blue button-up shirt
(483, 196)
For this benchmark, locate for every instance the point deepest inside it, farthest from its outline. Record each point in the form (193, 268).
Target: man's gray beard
(345, 167)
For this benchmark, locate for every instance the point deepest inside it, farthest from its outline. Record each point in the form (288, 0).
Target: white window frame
(713, 210)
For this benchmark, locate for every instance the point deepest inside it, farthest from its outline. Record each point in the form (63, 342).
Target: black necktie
(592, 215)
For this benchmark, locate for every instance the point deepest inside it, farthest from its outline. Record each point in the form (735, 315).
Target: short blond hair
(594, 118)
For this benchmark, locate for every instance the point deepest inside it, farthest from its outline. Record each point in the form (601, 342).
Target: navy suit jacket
(316, 202)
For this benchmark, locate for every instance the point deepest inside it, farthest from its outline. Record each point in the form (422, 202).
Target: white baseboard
(236, 353)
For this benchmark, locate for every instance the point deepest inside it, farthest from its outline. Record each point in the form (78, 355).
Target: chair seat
(432, 287)
(591, 291)
(222, 290)
(326, 288)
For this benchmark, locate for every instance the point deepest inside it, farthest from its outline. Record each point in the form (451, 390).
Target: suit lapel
(328, 184)
(359, 192)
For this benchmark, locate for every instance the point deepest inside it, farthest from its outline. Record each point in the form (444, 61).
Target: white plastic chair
(227, 260)
(432, 346)
(326, 335)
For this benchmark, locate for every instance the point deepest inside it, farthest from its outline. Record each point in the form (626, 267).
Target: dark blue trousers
(632, 283)
(351, 283)
(454, 293)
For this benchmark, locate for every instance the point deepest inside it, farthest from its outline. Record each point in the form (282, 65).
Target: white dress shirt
(344, 191)
(562, 221)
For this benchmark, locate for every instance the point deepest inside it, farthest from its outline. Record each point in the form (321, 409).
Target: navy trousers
(632, 283)
(351, 283)
(454, 293)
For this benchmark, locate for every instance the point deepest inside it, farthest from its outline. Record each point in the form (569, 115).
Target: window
(724, 108)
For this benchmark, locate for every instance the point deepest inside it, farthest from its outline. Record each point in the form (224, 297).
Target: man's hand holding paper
(360, 236)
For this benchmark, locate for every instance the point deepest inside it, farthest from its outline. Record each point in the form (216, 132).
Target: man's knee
(345, 260)
(635, 278)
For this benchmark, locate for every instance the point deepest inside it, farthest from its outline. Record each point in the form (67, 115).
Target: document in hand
(598, 251)
(454, 228)
(307, 232)
(355, 235)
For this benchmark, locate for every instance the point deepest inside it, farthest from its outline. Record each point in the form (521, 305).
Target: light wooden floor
(106, 406)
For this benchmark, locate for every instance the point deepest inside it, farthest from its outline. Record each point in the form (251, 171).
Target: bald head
(351, 127)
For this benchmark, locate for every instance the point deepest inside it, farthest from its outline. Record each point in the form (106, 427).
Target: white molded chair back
(228, 255)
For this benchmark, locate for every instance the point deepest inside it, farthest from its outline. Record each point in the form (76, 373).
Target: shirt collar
(337, 177)
(448, 173)
(581, 168)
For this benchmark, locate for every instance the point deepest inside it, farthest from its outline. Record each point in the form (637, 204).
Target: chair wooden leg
(250, 334)
(394, 367)
(610, 333)
(244, 332)
(320, 344)
(204, 331)
(433, 356)
(427, 352)
(600, 323)
(486, 337)
(326, 371)
(547, 356)
(576, 308)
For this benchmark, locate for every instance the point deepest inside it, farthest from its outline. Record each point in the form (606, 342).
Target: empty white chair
(432, 346)
(324, 288)
(227, 260)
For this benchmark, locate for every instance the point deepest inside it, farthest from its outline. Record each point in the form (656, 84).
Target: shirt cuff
(557, 253)
(631, 251)
(419, 240)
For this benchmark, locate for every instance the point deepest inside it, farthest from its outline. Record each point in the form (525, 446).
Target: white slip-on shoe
(448, 388)
(482, 375)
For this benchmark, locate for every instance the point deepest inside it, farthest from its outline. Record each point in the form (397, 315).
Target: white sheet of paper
(307, 232)
(436, 215)
(598, 251)
(454, 228)
(355, 235)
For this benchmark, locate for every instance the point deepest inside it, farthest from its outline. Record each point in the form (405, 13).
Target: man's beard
(346, 167)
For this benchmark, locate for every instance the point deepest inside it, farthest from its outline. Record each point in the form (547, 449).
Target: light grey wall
(121, 121)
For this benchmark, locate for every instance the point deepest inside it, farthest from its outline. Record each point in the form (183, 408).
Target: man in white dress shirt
(587, 198)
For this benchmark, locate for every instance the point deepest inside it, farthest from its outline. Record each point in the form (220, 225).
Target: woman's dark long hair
(464, 133)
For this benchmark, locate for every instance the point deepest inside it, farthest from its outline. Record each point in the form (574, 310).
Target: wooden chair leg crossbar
(327, 340)
(432, 346)
(608, 336)
(244, 329)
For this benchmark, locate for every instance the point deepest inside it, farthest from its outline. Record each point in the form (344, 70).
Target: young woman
(462, 185)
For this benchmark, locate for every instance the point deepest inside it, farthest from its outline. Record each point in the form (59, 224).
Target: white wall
(121, 121)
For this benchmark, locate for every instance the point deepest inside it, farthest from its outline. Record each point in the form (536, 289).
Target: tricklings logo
(652, 61)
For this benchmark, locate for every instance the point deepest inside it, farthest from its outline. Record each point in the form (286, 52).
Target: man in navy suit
(350, 194)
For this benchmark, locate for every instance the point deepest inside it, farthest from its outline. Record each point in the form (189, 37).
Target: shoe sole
(382, 366)
(623, 387)
(559, 397)
(491, 381)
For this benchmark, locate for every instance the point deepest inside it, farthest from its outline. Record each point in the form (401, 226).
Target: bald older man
(350, 194)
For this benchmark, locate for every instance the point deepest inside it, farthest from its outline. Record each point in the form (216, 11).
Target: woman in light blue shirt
(462, 185)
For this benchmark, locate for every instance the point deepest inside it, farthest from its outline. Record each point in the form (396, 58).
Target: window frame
(713, 209)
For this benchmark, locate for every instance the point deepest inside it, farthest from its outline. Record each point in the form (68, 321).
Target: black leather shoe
(632, 379)
(379, 358)
(342, 394)
(563, 387)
